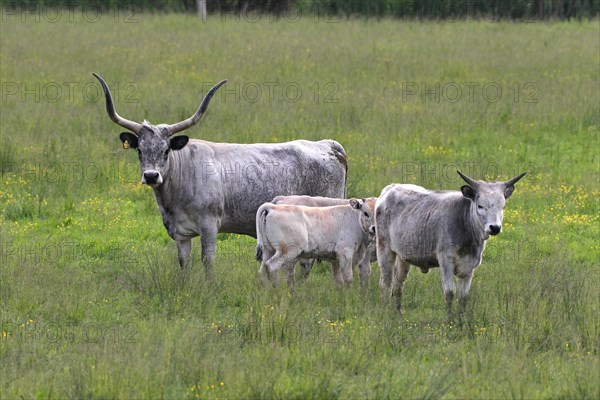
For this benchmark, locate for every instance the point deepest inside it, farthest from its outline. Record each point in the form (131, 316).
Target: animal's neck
(172, 178)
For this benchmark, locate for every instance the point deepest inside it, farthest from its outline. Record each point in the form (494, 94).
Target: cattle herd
(292, 197)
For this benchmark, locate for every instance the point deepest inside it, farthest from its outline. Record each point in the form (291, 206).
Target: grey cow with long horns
(445, 229)
(204, 188)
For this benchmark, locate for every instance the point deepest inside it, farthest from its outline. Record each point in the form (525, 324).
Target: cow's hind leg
(387, 260)
(400, 275)
(365, 270)
(464, 285)
(290, 271)
(263, 272)
(337, 272)
(305, 267)
(184, 250)
(346, 266)
(276, 262)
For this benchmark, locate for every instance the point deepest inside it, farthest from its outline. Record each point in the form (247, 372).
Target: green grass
(92, 301)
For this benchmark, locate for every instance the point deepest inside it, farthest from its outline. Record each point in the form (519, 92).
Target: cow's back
(313, 231)
(417, 222)
(251, 174)
(404, 222)
(311, 201)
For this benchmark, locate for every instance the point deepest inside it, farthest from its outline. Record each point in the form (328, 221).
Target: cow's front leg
(209, 248)
(447, 275)
(184, 250)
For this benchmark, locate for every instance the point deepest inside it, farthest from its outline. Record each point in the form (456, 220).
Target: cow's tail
(258, 254)
(261, 220)
(340, 154)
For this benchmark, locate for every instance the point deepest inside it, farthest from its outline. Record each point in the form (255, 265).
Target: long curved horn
(112, 113)
(514, 180)
(191, 121)
(470, 181)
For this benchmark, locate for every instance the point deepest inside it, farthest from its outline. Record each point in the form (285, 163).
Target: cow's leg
(365, 269)
(306, 266)
(289, 269)
(184, 250)
(400, 275)
(386, 259)
(464, 285)
(276, 262)
(209, 247)
(346, 266)
(447, 275)
(337, 273)
(263, 272)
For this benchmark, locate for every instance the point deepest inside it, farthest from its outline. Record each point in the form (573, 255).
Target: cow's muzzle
(151, 177)
(495, 229)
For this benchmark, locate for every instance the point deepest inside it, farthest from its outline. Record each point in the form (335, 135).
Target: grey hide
(204, 188)
(445, 229)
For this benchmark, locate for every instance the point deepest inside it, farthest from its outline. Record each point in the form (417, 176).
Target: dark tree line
(404, 9)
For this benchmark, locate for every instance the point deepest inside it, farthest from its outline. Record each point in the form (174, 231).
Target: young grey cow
(445, 229)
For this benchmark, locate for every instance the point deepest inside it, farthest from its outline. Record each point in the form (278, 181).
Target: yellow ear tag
(126, 144)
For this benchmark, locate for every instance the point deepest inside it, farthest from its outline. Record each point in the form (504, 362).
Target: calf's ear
(129, 140)
(468, 192)
(179, 142)
(356, 203)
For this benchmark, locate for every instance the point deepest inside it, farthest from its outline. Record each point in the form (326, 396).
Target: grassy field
(94, 305)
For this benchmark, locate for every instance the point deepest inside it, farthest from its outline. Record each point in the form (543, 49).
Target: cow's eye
(366, 214)
(480, 207)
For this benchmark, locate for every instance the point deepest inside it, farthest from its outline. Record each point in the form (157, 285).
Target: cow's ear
(356, 203)
(179, 142)
(508, 191)
(129, 140)
(468, 192)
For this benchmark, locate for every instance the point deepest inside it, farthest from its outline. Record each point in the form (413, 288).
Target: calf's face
(366, 219)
